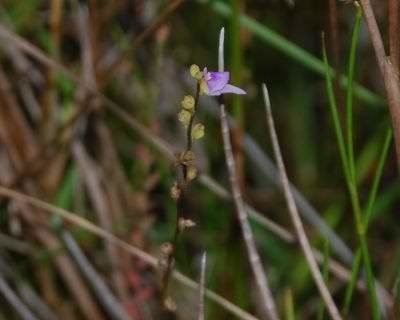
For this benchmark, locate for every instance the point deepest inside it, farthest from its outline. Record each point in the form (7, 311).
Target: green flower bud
(191, 172)
(198, 131)
(184, 116)
(188, 103)
(195, 72)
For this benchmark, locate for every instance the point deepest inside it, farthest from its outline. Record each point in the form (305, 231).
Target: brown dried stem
(394, 29)
(296, 220)
(388, 70)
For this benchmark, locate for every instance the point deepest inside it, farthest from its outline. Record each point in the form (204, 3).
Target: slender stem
(349, 95)
(351, 185)
(183, 185)
(325, 275)
(200, 313)
(367, 217)
(389, 71)
(394, 28)
(294, 214)
(254, 258)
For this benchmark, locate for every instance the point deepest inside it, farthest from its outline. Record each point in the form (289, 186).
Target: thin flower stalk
(184, 163)
(210, 83)
(267, 299)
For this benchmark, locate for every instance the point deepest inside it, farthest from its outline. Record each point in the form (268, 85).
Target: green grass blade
(349, 95)
(325, 274)
(352, 191)
(335, 116)
(289, 306)
(366, 219)
(377, 178)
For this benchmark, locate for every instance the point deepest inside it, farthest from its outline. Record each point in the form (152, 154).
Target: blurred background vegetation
(60, 143)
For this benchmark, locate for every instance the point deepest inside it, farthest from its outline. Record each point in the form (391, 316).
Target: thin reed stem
(294, 214)
(254, 258)
(352, 188)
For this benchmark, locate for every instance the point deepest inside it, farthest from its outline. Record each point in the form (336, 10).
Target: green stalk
(289, 307)
(349, 96)
(325, 274)
(368, 213)
(236, 63)
(352, 190)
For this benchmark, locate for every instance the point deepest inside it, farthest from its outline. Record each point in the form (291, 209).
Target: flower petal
(217, 80)
(227, 89)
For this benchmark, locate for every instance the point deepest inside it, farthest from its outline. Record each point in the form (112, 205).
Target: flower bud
(191, 172)
(198, 131)
(188, 103)
(185, 224)
(184, 116)
(195, 72)
(187, 157)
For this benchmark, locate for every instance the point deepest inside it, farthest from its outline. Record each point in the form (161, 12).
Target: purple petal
(217, 80)
(232, 89)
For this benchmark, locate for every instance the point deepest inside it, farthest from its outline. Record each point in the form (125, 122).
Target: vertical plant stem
(349, 95)
(388, 71)
(325, 275)
(294, 214)
(202, 286)
(351, 185)
(254, 258)
(394, 29)
(368, 212)
(237, 105)
(183, 182)
(289, 308)
(335, 47)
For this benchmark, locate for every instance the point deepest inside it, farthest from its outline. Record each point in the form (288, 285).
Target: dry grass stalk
(305, 245)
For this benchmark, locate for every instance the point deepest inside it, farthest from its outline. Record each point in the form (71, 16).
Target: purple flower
(217, 83)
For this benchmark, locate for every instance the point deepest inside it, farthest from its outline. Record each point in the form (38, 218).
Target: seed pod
(184, 116)
(188, 103)
(198, 131)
